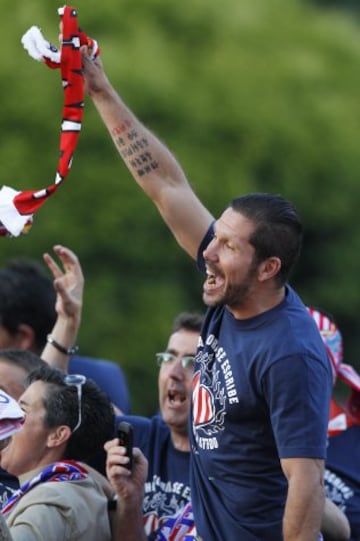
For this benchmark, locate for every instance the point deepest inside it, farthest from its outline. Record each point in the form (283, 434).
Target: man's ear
(59, 436)
(269, 268)
(25, 337)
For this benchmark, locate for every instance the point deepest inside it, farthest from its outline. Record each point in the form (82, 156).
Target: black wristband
(59, 347)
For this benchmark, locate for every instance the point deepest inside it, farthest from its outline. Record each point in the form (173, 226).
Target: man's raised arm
(149, 161)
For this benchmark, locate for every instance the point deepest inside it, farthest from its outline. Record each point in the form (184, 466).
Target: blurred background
(257, 95)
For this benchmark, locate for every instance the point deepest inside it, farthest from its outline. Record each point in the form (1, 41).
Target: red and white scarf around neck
(17, 208)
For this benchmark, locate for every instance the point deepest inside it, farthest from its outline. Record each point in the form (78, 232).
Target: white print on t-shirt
(336, 490)
(213, 387)
(162, 500)
(229, 382)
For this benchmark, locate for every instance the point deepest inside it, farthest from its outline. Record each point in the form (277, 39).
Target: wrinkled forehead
(233, 224)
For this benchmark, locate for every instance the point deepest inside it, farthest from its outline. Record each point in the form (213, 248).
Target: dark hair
(278, 230)
(27, 360)
(61, 405)
(189, 321)
(27, 295)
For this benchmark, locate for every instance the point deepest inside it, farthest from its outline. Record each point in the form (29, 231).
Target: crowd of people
(248, 443)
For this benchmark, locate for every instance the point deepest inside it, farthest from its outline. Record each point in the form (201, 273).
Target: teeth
(173, 396)
(210, 275)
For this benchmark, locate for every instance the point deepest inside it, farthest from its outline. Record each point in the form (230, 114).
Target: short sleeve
(298, 389)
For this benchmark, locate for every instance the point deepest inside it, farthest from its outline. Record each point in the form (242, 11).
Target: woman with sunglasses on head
(163, 439)
(67, 419)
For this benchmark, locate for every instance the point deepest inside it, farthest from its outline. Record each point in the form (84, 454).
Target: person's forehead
(233, 224)
(183, 340)
(34, 393)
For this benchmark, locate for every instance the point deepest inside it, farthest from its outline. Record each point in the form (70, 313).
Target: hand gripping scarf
(341, 417)
(17, 208)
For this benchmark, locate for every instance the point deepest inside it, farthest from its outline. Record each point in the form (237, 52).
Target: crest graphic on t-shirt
(203, 403)
(208, 397)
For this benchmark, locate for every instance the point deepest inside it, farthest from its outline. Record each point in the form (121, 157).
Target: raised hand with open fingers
(69, 286)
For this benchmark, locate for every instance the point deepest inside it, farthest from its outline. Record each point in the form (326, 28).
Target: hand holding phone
(125, 435)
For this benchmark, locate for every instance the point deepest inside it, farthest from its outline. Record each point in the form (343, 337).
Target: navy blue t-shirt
(342, 476)
(261, 392)
(167, 488)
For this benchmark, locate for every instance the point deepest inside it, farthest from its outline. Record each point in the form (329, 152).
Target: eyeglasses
(77, 380)
(187, 361)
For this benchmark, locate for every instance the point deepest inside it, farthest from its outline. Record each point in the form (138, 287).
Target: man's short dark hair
(61, 405)
(278, 229)
(189, 321)
(27, 295)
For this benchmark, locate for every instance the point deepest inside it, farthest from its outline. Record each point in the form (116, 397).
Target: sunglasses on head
(76, 380)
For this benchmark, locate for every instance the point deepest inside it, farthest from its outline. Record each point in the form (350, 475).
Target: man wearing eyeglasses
(164, 439)
(67, 419)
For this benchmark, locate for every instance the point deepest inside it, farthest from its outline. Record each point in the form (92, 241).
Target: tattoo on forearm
(134, 149)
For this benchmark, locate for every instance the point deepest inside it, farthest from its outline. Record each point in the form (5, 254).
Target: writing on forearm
(134, 149)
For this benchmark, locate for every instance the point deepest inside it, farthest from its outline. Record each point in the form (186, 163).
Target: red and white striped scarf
(17, 208)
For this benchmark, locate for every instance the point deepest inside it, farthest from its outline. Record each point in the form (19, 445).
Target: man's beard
(236, 295)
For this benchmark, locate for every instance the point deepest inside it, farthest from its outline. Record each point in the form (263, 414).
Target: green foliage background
(257, 95)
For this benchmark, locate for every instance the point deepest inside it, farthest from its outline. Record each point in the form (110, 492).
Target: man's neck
(257, 304)
(180, 441)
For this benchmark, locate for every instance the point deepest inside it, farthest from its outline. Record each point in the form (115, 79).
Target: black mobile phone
(125, 435)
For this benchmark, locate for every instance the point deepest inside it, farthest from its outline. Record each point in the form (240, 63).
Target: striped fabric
(17, 208)
(341, 417)
(66, 470)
